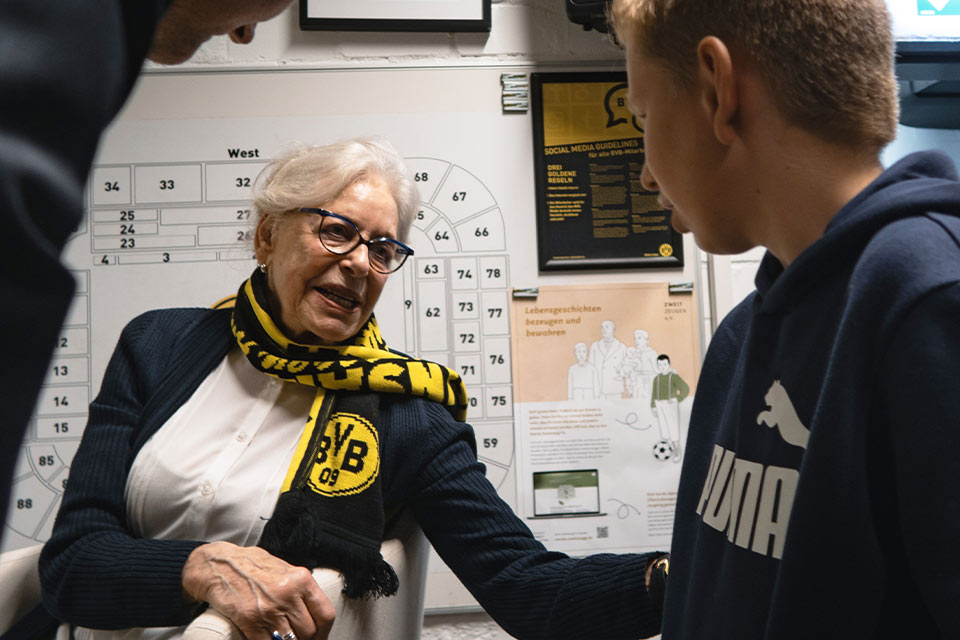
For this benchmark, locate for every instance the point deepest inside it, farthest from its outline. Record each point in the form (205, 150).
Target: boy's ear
(718, 85)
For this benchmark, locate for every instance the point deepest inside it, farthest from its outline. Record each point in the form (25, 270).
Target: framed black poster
(395, 15)
(592, 211)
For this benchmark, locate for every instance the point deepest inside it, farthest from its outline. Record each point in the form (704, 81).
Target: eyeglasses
(341, 235)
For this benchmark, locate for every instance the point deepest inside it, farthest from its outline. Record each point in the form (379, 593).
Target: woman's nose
(357, 262)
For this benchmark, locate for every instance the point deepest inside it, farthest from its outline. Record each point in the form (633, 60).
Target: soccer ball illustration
(662, 450)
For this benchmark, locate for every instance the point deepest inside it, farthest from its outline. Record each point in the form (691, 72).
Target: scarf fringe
(298, 534)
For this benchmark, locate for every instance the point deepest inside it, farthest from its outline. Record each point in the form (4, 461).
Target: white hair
(311, 175)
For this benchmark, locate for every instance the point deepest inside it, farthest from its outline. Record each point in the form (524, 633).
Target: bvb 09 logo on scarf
(348, 459)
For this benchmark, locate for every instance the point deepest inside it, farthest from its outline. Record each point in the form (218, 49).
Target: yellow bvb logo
(348, 460)
(666, 250)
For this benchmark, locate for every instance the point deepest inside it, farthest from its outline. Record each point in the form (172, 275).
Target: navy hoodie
(820, 494)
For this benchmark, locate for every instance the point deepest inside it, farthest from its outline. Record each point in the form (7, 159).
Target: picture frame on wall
(395, 15)
(592, 209)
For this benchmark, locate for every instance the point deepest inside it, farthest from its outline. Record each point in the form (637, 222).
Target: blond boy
(818, 495)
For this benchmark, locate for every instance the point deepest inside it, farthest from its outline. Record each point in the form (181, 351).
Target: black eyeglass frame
(401, 248)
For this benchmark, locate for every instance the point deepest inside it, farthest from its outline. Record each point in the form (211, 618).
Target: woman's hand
(258, 592)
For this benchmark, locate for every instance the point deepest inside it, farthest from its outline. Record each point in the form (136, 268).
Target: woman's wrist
(197, 570)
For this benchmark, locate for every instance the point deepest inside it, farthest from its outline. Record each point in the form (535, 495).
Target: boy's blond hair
(829, 63)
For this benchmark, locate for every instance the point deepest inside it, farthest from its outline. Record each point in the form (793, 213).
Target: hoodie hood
(918, 184)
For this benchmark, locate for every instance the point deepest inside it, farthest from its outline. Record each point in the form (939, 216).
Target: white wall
(523, 31)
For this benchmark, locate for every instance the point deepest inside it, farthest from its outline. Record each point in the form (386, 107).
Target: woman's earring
(262, 267)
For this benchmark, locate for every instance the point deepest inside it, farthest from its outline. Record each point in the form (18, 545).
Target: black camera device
(591, 14)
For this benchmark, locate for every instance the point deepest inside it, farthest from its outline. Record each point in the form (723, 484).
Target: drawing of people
(607, 354)
(630, 372)
(583, 381)
(668, 390)
(647, 357)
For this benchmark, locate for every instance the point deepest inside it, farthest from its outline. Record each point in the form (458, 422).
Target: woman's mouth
(342, 298)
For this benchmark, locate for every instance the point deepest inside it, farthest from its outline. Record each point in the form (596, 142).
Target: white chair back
(19, 584)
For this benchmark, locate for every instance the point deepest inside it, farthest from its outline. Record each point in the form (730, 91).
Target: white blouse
(214, 470)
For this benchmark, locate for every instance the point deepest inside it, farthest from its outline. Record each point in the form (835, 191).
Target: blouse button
(206, 489)
(241, 437)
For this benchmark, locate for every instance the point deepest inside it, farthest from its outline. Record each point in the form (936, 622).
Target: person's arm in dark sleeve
(531, 592)
(93, 572)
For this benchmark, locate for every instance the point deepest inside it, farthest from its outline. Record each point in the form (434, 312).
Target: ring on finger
(289, 635)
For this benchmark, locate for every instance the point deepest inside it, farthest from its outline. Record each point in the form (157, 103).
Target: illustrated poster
(604, 379)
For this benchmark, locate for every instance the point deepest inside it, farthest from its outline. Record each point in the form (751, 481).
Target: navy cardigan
(96, 574)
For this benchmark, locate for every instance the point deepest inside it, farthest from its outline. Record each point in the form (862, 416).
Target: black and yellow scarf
(330, 511)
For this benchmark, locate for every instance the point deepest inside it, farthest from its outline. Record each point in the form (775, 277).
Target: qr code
(603, 532)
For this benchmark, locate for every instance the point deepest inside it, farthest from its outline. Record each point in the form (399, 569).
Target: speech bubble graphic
(615, 103)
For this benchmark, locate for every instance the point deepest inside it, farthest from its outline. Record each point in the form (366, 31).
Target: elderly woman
(228, 449)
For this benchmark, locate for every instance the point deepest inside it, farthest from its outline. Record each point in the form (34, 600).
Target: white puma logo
(782, 415)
